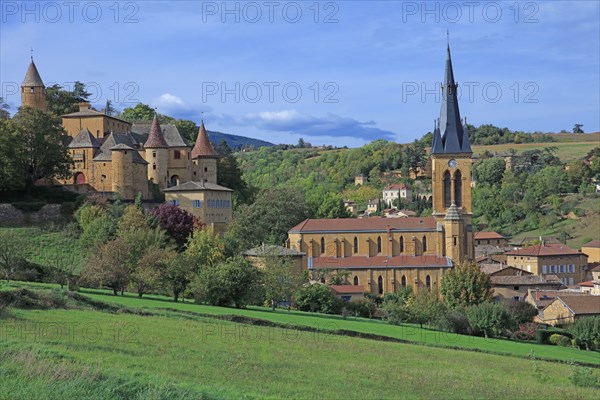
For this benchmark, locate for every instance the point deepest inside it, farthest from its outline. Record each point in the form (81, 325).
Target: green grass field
(90, 354)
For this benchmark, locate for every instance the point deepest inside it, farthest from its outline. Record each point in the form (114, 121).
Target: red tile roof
(586, 284)
(347, 289)
(379, 262)
(155, 138)
(413, 224)
(396, 186)
(203, 148)
(487, 235)
(593, 243)
(594, 267)
(524, 280)
(544, 250)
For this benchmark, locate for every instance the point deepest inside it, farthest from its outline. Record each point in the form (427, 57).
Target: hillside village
(148, 212)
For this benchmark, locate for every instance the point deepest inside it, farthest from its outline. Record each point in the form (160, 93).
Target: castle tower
(157, 155)
(451, 173)
(122, 163)
(204, 158)
(33, 91)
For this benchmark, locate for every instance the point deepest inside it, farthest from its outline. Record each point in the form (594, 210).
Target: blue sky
(339, 73)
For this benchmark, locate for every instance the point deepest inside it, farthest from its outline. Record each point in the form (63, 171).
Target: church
(111, 155)
(384, 254)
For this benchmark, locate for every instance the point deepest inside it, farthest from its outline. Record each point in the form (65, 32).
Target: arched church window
(356, 281)
(446, 190)
(458, 189)
(401, 244)
(380, 284)
(355, 245)
(428, 282)
(322, 245)
(424, 244)
(379, 244)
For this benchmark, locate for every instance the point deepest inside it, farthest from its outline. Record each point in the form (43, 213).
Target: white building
(398, 190)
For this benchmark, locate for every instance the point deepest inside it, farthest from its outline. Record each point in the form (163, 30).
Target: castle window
(356, 281)
(446, 190)
(32, 90)
(380, 284)
(424, 244)
(379, 244)
(197, 203)
(153, 166)
(458, 189)
(205, 169)
(188, 156)
(454, 240)
(154, 154)
(177, 154)
(401, 244)
(403, 281)
(428, 282)
(355, 245)
(322, 245)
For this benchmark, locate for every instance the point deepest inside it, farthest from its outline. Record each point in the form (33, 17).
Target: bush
(318, 298)
(30, 299)
(456, 321)
(489, 319)
(586, 331)
(564, 341)
(555, 338)
(361, 308)
(521, 311)
(526, 331)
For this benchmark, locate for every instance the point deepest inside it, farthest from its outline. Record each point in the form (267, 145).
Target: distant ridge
(234, 141)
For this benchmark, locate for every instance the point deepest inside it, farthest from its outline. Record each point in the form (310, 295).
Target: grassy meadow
(57, 354)
(566, 151)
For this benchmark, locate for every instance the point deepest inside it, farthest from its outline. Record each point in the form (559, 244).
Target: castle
(111, 155)
(384, 254)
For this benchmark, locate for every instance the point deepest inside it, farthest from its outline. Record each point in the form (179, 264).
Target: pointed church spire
(155, 138)
(450, 125)
(32, 77)
(202, 147)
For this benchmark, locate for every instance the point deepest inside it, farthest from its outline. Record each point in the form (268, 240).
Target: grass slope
(85, 354)
(566, 151)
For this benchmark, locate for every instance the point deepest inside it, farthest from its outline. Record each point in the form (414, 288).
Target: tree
(229, 174)
(577, 128)
(60, 101)
(142, 112)
(108, 266)
(149, 270)
(234, 281)
(178, 223)
(40, 149)
(425, 307)
(4, 113)
(490, 171)
(110, 109)
(269, 218)
(317, 298)
(586, 332)
(11, 174)
(176, 275)
(13, 253)
(332, 206)
(188, 129)
(466, 285)
(204, 249)
(521, 312)
(281, 279)
(301, 144)
(491, 319)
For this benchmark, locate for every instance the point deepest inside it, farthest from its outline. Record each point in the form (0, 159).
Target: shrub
(526, 331)
(521, 311)
(361, 308)
(456, 321)
(564, 341)
(587, 332)
(489, 319)
(317, 298)
(555, 338)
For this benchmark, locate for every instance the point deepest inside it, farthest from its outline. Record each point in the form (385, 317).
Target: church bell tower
(33, 91)
(451, 173)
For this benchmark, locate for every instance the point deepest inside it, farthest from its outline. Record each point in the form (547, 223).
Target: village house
(261, 254)
(540, 298)
(568, 264)
(592, 249)
(516, 287)
(490, 238)
(348, 292)
(566, 309)
(396, 191)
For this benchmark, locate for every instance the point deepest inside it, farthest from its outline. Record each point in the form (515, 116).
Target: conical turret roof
(32, 77)
(155, 138)
(203, 148)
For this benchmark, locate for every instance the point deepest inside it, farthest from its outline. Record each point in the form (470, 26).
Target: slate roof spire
(155, 138)
(450, 136)
(202, 147)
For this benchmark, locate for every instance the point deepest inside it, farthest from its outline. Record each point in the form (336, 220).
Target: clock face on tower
(452, 163)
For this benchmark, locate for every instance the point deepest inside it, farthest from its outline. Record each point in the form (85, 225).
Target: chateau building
(111, 155)
(383, 254)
